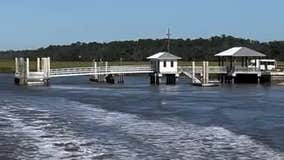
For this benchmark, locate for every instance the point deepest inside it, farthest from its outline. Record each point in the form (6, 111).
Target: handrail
(198, 69)
(101, 70)
(245, 69)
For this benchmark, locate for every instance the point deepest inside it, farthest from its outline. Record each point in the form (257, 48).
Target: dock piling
(38, 64)
(193, 72)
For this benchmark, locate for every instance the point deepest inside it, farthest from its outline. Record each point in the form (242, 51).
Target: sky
(31, 24)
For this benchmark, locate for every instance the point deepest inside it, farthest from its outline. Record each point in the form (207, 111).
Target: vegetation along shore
(135, 52)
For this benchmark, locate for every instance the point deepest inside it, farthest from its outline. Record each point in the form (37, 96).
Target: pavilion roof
(240, 52)
(164, 56)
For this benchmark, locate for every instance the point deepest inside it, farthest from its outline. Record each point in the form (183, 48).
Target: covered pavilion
(238, 57)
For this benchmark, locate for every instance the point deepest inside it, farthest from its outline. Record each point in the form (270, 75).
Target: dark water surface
(77, 119)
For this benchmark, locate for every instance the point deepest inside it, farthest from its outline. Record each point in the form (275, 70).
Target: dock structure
(164, 64)
(23, 75)
(237, 61)
(233, 67)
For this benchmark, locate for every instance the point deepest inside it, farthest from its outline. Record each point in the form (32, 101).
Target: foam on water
(50, 128)
(187, 141)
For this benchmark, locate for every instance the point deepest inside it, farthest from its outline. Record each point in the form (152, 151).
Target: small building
(164, 64)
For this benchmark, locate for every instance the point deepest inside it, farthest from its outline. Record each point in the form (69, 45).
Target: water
(76, 119)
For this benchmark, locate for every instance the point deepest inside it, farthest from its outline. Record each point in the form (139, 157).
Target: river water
(76, 119)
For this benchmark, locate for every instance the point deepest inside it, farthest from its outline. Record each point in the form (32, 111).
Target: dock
(162, 68)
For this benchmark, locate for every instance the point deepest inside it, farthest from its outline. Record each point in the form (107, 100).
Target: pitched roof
(240, 52)
(164, 55)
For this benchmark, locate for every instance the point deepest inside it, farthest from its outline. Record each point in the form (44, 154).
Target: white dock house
(164, 64)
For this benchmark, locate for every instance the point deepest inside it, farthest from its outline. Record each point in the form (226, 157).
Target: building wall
(168, 69)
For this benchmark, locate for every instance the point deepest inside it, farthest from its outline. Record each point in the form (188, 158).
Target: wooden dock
(163, 68)
(23, 76)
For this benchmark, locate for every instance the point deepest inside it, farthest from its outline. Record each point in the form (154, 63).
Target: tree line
(188, 49)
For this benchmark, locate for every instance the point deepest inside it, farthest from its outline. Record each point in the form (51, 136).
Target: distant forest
(188, 49)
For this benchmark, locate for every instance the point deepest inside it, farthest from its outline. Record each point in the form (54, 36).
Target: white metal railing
(101, 70)
(60, 71)
(217, 69)
(198, 69)
(125, 70)
(245, 69)
(36, 75)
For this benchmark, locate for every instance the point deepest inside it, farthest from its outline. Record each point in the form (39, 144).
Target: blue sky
(30, 24)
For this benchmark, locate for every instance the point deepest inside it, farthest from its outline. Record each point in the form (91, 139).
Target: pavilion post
(231, 63)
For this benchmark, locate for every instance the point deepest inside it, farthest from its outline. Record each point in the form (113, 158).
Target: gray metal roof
(164, 56)
(240, 52)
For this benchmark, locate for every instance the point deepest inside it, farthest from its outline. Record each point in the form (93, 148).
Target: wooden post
(42, 64)
(95, 70)
(45, 66)
(106, 65)
(22, 69)
(48, 67)
(27, 70)
(38, 64)
(203, 72)
(231, 63)
(207, 72)
(193, 72)
(233, 80)
(16, 65)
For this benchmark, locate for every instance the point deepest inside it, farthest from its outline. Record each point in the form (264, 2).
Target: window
(172, 63)
(165, 63)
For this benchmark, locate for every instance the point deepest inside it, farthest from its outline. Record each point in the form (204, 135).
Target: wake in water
(70, 130)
